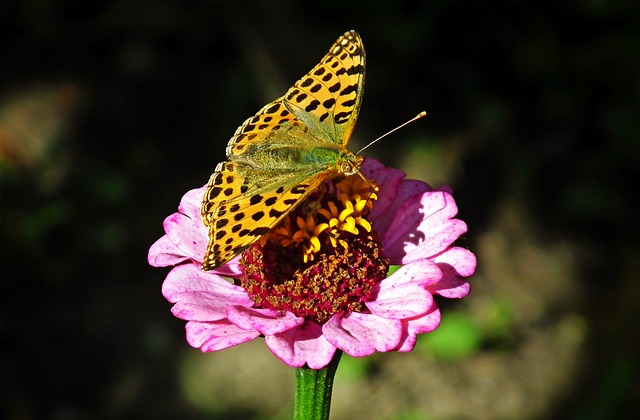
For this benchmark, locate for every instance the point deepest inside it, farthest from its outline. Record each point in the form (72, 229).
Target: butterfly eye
(347, 168)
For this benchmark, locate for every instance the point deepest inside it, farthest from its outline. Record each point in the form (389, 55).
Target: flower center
(323, 259)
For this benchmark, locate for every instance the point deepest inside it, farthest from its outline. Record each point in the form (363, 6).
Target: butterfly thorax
(335, 158)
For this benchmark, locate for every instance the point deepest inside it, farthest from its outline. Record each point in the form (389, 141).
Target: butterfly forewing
(263, 180)
(328, 98)
(268, 125)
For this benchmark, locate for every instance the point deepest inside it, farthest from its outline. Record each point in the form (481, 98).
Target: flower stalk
(313, 390)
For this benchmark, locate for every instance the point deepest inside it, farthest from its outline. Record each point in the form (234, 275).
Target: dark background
(110, 111)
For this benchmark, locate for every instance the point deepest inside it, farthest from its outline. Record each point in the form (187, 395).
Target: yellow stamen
(326, 213)
(333, 208)
(343, 215)
(346, 212)
(315, 243)
(320, 228)
(364, 223)
(349, 225)
(310, 223)
(360, 205)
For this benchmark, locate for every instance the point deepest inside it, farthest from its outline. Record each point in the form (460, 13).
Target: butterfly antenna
(417, 117)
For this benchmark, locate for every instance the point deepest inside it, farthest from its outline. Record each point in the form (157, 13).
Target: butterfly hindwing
(237, 221)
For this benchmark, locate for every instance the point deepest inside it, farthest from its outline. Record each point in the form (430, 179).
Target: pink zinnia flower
(414, 227)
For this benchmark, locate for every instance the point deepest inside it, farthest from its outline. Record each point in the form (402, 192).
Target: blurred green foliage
(458, 336)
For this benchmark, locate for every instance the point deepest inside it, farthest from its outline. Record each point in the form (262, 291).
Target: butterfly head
(349, 164)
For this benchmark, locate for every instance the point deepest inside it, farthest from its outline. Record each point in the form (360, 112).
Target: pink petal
(302, 345)
(452, 287)
(200, 296)
(458, 261)
(455, 262)
(422, 324)
(371, 165)
(266, 321)
(187, 238)
(444, 188)
(362, 334)
(231, 269)
(422, 272)
(408, 188)
(188, 235)
(191, 203)
(164, 253)
(402, 302)
(403, 294)
(219, 335)
(388, 182)
(423, 226)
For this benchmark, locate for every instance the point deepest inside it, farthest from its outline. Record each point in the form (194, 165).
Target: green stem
(313, 391)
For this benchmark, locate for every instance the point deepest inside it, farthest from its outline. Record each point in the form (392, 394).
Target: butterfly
(282, 154)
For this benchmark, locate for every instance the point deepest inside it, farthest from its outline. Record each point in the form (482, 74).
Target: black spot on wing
(273, 108)
(334, 88)
(275, 213)
(329, 103)
(349, 103)
(341, 117)
(214, 192)
(349, 89)
(259, 231)
(357, 69)
(299, 189)
(256, 199)
(312, 105)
